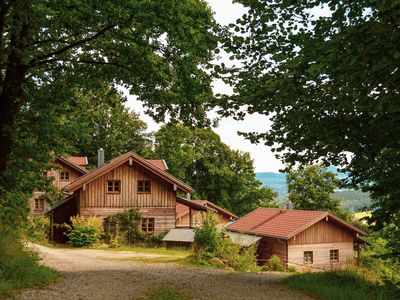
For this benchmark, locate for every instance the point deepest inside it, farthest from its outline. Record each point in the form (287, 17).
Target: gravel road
(98, 274)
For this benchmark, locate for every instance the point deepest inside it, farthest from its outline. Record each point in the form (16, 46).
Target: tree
(311, 188)
(50, 50)
(160, 50)
(330, 83)
(108, 124)
(216, 172)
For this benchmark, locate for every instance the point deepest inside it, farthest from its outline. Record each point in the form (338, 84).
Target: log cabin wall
(158, 204)
(321, 238)
(271, 246)
(197, 218)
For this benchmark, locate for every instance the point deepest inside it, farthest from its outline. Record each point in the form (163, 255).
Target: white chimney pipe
(100, 157)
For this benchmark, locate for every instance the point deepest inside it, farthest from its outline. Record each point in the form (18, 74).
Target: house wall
(321, 255)
(320, 238)
(60, 215)
(159, 204)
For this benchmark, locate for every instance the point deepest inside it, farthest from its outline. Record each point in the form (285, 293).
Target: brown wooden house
(64, 172)
(128, 181)
(313, 239)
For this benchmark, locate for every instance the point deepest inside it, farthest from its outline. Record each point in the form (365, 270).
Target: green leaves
(330, 80)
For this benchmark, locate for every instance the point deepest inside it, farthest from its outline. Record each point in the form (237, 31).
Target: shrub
(238, 257)
(84, 232)
(207, 237)
(37, 229)
(291, 269)
(275, 263)
(123, 228)
(19, 267)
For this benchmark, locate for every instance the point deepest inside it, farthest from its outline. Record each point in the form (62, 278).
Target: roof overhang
(242, 239)
(191, 204)
(180, 235)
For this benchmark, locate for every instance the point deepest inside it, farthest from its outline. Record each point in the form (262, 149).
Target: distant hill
(351, 200)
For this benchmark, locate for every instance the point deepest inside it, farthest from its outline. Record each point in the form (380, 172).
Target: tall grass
(19, 267)
(341, 284)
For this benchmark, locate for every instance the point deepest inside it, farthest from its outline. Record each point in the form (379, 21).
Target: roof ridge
(281, 211)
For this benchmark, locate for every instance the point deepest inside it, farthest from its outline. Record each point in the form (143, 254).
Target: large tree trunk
(11, 95)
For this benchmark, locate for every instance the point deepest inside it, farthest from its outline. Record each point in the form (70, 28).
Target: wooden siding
(94, 194)
(164, 218)
(322, 232)
(58, 183)
(197, 219)
(321, 255)
(37, 212)
(271, 246)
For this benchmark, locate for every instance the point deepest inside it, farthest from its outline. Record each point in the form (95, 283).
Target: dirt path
(94, 274)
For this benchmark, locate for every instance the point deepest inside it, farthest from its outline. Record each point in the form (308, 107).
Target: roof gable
(283, 223)
(130, 157)
(159, 163)
(79, 160)
(71, 164)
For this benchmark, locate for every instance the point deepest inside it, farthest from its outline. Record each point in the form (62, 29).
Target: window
(334, 255)
(144, 186)
(148, 225)
(308, 257)
(113, 186)
(39, 204)
(64, 175)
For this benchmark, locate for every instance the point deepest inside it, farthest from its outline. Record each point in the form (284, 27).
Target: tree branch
(37, 61)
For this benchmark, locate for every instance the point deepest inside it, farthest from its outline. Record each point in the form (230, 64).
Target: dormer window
(113, 186)
(64, 175)
(144, 186)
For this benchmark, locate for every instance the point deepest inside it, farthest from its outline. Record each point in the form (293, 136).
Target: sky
(264, 160)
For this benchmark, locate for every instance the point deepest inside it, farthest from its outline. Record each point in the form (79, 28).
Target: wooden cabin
(128, 181)
(186, 217)
(64, 172)
(305, 239)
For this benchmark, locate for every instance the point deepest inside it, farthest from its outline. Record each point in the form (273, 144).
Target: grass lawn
(166, 293)
(340, 285)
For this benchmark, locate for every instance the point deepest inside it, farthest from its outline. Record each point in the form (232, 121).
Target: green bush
(275, 263)
(238, 257)
(85, 232)
(19, 267)
(37, 229)
(123, 228)
(291, 269)
(207, 237)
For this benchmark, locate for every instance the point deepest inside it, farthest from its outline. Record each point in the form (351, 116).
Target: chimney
(100, 157)
(289, 205)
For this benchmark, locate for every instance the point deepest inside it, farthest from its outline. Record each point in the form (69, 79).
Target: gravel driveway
(98, 274)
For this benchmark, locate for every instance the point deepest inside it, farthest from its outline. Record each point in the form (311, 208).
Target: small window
(113, 186)
(39, 204)
(144, 186)
(334, 255)
(308, 257)
(64, 175)
(148, 225)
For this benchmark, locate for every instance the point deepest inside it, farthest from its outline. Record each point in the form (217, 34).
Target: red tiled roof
(283, 223)
(79, 160)
(159, 163)
(182, 210)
